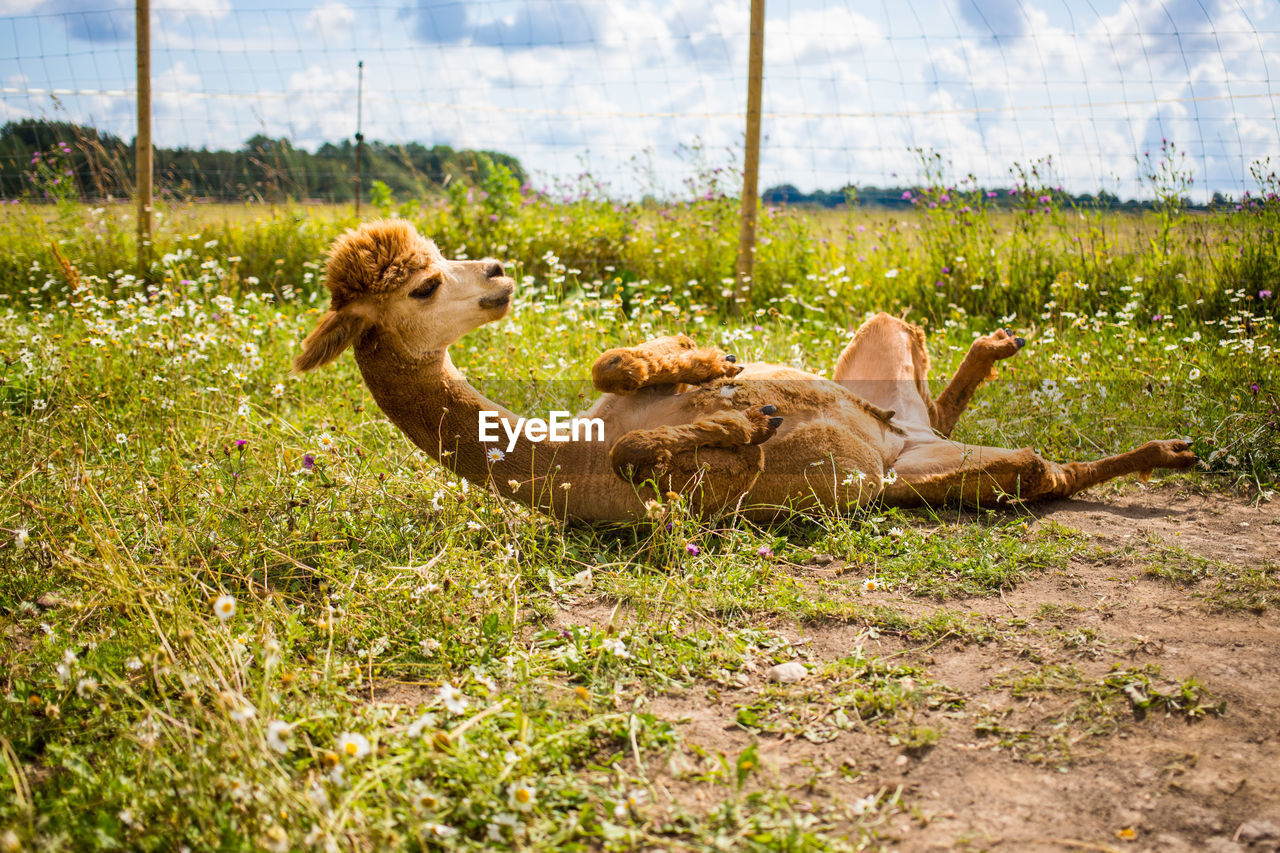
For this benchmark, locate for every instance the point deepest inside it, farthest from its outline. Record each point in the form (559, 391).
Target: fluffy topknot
(375, 258)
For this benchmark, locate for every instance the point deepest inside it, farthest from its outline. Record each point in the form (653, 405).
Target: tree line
(42, 159)
(910, 196)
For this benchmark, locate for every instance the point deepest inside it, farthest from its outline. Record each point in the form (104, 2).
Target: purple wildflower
(693, 549)
(764, 551)
(240, 442)
(1264, 294)
(308, 461)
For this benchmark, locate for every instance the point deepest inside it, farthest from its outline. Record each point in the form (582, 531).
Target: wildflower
(430, 645)
(243, 411)
(240, 443)
(420, 725)
(326, 442)
(121, 438)
(353, 744)
(425, 800)
(276, 840)
(133, 664)
(277, 390)
(86, 686)
(616, 647)
(1232, 461)
(870, 585)
(278, 732)
(521, 796)
(20, 537)
(493, 454)
(764, 551)
(439, 830)
(1194, 374)
(308, 462)
(890, 478)
(693, 549)
(1264, 294)
(455, 701)
(653, 510)
(891, 273)
(514, 484)
(243, 713)
(503, 821)
(895, 533)
(864, 805)
(225, 606)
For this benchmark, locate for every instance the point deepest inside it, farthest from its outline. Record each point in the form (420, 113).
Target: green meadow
(241, 611)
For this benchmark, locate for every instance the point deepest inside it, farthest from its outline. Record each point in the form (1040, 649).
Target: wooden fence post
(751, 166)
(144, 164)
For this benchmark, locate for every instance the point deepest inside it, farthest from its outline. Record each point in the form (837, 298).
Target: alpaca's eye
(426, 289)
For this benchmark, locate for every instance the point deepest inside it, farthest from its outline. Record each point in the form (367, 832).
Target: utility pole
(359, 129)
(751, 165)
(142, 143)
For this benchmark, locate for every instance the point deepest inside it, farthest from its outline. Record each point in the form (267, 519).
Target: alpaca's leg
(642, 453)
(887, 365)
(939, 471)
(664, 361)
(977, 367)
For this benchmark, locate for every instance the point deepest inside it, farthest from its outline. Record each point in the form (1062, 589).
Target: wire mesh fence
(646, 98)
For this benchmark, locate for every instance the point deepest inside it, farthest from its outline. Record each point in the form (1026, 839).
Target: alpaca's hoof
(762, 425)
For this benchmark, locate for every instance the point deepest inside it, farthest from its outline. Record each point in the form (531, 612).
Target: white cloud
(849, 89)
(331, 21)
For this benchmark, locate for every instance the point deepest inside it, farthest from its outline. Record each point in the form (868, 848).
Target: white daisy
(521, 796)
(616, 647)
(278, 732)
(225, 607)
(493, 454)
(353, 745)
(454, 700)
(326, 442)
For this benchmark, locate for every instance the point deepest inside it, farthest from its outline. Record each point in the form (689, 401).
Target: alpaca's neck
(432, 403)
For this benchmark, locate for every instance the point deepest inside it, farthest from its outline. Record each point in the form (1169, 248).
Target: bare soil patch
(1033, 760)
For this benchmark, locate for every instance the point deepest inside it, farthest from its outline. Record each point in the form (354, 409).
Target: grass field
(239, 610)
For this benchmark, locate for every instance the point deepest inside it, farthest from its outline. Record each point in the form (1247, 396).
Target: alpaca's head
(387, 281)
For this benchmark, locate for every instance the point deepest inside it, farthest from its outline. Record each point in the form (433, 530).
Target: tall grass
(393, 674)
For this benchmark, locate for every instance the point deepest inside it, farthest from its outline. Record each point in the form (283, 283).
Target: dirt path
(1040, 755)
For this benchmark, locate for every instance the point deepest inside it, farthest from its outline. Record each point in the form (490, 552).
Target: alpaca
(758, 439)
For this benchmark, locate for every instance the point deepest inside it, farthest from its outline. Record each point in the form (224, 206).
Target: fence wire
(649, 96)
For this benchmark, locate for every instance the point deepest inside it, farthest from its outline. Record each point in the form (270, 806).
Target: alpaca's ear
(337, 331)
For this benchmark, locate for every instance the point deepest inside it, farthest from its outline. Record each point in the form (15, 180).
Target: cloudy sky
(640, 93)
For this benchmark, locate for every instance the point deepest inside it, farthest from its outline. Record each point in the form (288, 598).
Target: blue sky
(628, 90)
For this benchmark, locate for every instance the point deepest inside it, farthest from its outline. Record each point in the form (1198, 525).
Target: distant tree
(264, 168)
